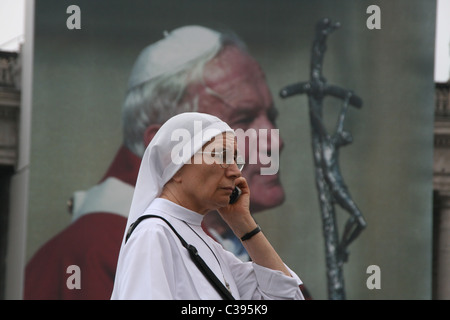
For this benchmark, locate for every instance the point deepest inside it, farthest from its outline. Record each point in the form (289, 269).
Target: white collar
(176, 211)
(112, 196)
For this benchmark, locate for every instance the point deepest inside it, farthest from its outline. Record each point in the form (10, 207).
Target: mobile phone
(235, 195)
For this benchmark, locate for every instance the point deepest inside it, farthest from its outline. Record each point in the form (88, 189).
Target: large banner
(83, 174)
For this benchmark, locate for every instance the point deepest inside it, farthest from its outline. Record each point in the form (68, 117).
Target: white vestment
(153, 264)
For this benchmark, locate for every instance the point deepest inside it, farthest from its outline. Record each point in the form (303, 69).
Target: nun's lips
(228, 188)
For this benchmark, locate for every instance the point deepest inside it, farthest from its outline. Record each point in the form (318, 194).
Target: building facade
(441, 193)
(10, 70)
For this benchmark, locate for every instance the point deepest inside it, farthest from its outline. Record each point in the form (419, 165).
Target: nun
(190, 168)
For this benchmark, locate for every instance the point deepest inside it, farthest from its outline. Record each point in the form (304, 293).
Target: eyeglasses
(224, 158)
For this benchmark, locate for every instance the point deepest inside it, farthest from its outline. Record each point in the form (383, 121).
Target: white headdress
(187, 132)
(164, 56)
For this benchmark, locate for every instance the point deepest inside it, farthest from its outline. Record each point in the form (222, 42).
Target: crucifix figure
(329, 181)
(329, 148)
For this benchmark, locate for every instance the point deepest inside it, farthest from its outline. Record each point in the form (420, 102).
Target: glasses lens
(226, 158)
(240, 162)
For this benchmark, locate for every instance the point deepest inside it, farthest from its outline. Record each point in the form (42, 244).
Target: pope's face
(235, 90)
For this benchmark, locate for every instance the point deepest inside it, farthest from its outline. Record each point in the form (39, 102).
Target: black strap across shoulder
(199, 262)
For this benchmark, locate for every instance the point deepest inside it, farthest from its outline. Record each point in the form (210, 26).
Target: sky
(442, 52)
(12, 27)
(12, 24)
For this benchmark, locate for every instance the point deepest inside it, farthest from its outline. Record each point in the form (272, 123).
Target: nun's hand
(237, 215)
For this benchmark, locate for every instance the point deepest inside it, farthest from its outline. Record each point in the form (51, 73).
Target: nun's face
(242, 99)
(204, 183)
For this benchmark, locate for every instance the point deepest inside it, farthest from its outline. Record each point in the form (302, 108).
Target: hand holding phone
(237, 213)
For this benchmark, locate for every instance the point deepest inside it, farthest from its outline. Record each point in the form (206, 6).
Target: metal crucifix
(329, 181)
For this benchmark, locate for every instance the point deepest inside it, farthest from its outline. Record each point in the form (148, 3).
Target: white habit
(154, 264)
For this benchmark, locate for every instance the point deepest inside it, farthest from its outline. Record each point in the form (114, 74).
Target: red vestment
(92, 242)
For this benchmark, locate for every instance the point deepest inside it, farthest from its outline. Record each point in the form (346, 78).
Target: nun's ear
(150, 132)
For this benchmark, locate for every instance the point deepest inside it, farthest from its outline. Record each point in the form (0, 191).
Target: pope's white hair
(158, 99)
